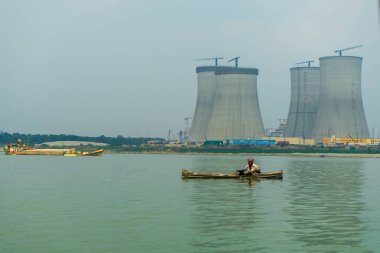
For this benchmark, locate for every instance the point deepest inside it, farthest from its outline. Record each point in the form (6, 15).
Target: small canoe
(269, 175)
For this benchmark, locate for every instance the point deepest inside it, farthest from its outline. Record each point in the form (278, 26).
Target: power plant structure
(236, 111)
(304, 101)
(227, 104)
(325, 101)
(205, 102)
(340, 110)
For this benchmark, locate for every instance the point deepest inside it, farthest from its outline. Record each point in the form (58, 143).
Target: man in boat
(251, 168)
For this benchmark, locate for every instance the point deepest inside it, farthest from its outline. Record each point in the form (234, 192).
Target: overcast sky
(93, 67)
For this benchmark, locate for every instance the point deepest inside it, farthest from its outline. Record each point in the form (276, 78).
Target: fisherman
(250, 169)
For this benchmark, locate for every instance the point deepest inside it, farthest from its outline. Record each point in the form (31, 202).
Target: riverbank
(249, 151)
(240, 151)
(325, 155)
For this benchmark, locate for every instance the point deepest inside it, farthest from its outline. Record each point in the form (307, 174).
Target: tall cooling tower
(340, 111)
(205, 101)
(235, 113)
(305, 87)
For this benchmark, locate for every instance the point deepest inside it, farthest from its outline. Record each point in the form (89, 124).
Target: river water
(139, 203)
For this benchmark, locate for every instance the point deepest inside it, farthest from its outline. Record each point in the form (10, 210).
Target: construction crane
(236, 59)
(171, 137)
(187, 127)
(212, 58)
(354, 140)
(308, 63)
(349, 48)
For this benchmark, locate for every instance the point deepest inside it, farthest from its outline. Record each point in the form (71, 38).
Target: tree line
(35, 139)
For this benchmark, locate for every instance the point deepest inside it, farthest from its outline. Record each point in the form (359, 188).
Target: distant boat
(21, 149)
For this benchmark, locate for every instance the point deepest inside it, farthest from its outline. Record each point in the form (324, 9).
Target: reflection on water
(317, 207)
(325, 203)
(223, 214)
(139, 203)
(228, 214)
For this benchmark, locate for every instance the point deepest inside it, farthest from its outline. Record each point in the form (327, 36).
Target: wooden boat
(14, 150)
(20, 149)
(203, 175)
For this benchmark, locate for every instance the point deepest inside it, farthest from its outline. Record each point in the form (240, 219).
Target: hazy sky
(92, 67)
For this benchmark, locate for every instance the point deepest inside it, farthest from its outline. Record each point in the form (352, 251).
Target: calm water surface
(139, 203)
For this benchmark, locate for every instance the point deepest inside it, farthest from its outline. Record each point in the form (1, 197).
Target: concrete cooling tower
(236, 112)
(205, 101)
(340, 111)
(305, 87)
(227, 105)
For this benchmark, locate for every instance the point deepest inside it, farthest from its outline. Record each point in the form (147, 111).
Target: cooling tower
(305, 87)
(340, 111)
(235, 113)
(205, 101)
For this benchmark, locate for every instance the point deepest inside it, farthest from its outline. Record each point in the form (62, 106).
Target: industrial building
(227, 105)
(340, 110)
(304, 101)
(337, 141)
(291, 140)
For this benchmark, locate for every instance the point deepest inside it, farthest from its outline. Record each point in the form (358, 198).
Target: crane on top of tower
(236, 59)
(308, 63)
(211, 58)
(344, 49)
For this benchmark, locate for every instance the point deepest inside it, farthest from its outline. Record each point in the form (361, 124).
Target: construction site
(326, 106)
